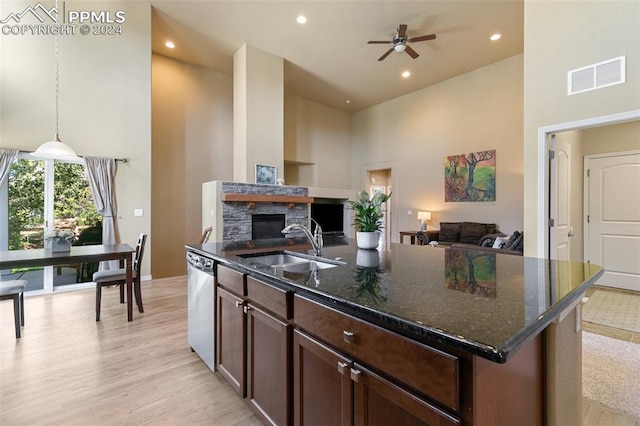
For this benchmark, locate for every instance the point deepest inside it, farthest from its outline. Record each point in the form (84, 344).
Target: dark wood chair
(14, 289)
(206, 234)
(88, 237)
(118, 277)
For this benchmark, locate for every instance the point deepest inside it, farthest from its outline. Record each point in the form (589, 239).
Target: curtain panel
(102, 181)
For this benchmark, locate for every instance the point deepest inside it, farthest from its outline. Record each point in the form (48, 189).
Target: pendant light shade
(55, 149)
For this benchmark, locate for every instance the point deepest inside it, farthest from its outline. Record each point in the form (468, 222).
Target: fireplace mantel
(265, 198)
(229, 207)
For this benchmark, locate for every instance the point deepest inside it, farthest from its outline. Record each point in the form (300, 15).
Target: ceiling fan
(400, 42)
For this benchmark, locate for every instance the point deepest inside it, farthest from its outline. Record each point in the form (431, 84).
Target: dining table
(10, 259)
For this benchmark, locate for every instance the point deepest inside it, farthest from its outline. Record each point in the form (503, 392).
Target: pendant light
(55, 149)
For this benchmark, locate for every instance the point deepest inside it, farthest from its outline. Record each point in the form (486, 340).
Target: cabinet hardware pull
(238, 304)
(347, 336)
(355, 375)
(342, 368)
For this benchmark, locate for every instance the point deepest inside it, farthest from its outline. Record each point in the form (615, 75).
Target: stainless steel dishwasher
(200, 307)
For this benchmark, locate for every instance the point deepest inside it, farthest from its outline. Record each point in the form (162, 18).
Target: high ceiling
(328, 60)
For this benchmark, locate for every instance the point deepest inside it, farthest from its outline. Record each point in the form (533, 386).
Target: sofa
(473, 235)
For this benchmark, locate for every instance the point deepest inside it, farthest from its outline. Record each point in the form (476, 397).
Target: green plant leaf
(368, 211)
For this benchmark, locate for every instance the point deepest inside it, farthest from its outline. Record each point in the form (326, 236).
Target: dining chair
(88, 236)
(14, 289)
(206, 234)
(118, 277)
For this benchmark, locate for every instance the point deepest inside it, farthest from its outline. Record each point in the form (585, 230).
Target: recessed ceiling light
(169, 44)
(406, 74)
(495, 37)
(348, 101)
(301, 19)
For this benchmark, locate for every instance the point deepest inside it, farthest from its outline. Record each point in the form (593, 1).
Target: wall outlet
(410, 212)
(138, 212)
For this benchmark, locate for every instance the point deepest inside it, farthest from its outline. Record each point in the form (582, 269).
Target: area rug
(613, 309)
(610, 372)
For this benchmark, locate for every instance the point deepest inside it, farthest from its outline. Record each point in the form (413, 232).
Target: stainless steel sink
(300, 267)
(292, 262)
(277, 259)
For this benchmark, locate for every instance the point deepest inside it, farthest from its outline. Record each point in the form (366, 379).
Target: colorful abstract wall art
(470, 177)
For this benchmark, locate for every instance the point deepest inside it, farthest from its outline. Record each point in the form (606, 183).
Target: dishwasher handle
(200, 262)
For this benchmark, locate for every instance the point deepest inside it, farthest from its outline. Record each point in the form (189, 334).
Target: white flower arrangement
(59, 234)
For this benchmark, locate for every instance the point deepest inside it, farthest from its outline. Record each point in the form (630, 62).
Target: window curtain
(7, 156)
(102, 181)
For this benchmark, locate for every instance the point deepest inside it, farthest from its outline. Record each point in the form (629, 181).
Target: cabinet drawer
(429, 371)
(269, 297)
(231, 280)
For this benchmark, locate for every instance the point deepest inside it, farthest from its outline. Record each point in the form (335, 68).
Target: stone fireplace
(232, 209)
(265, 226)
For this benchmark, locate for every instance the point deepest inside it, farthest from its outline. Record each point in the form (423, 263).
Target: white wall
(616, 138)
(105, 99)
(413, 134)
(192, 144)
(258, 112)
(318, 138)
(561, 36)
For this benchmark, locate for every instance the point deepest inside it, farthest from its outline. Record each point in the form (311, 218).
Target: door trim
(392, 203)
(543, 167)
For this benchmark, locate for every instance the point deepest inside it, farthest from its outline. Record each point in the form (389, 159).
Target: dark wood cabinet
(231, 357)
(377, 401)
(430, 372)
(269, 363)
(330, 388)
(296, 361)
(323, 390)
(254, 343)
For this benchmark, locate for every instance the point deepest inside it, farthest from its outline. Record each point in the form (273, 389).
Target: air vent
(596, 76)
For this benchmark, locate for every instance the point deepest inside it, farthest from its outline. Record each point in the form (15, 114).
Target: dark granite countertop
(484, 303)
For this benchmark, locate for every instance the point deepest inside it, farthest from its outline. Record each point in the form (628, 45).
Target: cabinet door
(231, 340)
(323, 390)
(269, 360)
(377, 401)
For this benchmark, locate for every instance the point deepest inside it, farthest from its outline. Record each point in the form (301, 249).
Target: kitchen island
(433, 335)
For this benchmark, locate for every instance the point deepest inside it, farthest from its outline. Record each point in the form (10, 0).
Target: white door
(612, 232)
(561, 231)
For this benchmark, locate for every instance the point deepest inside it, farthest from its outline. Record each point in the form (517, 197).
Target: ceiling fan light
(55, 150)
(400, 47)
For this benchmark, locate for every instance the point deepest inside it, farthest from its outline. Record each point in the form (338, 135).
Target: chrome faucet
(315, 239)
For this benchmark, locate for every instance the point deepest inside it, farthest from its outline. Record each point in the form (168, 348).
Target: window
(42, 195)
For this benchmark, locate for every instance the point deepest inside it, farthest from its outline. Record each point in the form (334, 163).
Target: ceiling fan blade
(423, 38)
(402, 30)
(387, 53)
(378, 42)
(411, 52)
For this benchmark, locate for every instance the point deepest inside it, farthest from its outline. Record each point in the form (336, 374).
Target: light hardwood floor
(69, 370)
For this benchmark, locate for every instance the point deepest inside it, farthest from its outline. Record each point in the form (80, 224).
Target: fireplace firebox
(265, 226)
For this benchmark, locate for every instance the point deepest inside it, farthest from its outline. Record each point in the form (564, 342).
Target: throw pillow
(491, 228)
(500, 242)
(518, 243)
(449, 232)
(512, 240)
(471, 233)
